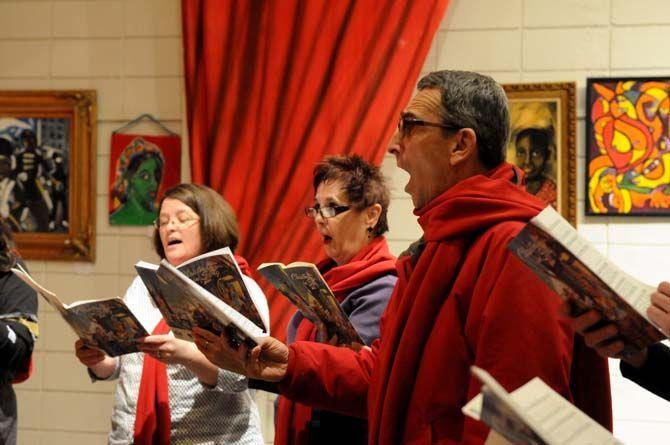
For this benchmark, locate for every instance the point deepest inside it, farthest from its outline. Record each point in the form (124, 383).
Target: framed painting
(542, 141)
(628, 146)
(47, 172)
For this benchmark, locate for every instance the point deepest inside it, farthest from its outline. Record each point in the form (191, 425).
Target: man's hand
(266, 361)
(659, 311)
(603, 337)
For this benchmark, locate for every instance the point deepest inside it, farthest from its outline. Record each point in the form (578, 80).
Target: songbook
(578, 273)
(304, 286)
(108, 325)
(208, 292)
(533, 414)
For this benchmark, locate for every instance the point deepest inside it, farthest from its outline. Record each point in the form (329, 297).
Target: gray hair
(473, 100)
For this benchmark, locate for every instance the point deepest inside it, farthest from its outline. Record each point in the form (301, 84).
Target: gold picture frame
(47, 172)
(543, 141)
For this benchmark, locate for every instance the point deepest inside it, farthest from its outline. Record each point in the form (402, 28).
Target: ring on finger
(158, 354)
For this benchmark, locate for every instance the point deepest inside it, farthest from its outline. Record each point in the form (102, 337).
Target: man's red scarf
(372, 262)
(152, 419)
(450, 223)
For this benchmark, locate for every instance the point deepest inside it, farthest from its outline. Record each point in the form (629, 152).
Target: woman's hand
(266, 361)
(659, 311)
(168, 349)
(97, 361)
(88, 356)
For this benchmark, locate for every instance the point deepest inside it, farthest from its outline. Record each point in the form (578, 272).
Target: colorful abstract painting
(627, 147)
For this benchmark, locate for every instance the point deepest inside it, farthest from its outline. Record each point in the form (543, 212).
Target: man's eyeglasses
(325, 212)
(406, 123)
(179, 223)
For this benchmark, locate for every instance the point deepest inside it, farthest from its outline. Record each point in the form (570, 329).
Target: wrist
(638, 359)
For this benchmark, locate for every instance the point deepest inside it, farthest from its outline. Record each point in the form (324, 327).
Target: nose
(394, 144)
(319, 220)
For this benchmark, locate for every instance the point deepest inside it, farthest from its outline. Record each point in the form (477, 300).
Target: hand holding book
(267, 361)
(604, 336)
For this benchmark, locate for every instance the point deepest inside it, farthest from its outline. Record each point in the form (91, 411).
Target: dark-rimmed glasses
(325, 212)
(406, 123)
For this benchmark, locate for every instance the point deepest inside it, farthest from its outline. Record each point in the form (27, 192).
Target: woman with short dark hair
(350, 207)
(207, 405)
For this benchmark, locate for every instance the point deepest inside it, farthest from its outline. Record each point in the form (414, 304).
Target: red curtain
(274, 86)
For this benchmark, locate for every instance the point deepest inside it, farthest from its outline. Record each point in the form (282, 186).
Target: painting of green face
(142, 186)
(142, 189)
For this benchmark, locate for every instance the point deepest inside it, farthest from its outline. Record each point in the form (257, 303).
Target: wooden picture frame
(627, 146)
(47, 172)
(543, 141)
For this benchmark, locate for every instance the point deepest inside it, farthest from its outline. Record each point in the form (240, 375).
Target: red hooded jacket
(462, 299)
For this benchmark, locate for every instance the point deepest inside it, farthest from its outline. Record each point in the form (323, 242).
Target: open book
(532, 414)
(207, 291)
(108, 325)
(581, 275)
(304, 286)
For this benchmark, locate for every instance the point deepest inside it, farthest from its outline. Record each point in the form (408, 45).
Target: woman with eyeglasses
(350, 206)
(170, 392)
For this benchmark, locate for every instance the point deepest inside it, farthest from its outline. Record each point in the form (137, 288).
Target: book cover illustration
(108, 325)
(220, 275)
(303, 285)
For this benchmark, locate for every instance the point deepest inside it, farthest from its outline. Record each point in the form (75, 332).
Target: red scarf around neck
(152, 417)
(451, 222)
(372, 261)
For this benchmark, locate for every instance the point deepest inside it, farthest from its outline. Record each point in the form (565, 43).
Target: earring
(369, 230)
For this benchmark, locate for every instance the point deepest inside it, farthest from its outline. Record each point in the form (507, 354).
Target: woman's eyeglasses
(325, 212)
(179, 223)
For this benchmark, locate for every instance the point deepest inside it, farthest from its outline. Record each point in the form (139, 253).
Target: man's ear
(465, 148)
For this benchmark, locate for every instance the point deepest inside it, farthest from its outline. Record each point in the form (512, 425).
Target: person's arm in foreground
(315, 374)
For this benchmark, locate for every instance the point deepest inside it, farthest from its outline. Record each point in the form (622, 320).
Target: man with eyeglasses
(461, 298)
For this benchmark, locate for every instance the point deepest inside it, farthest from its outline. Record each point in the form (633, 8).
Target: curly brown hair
(364, 184)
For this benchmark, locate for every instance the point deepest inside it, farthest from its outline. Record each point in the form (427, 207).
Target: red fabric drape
(273, 86)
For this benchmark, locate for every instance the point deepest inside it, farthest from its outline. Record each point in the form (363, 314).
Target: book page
(572, 280)
(636, 293)
(51, 298)
(496, 408)
(534, 413)
(562, 422)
